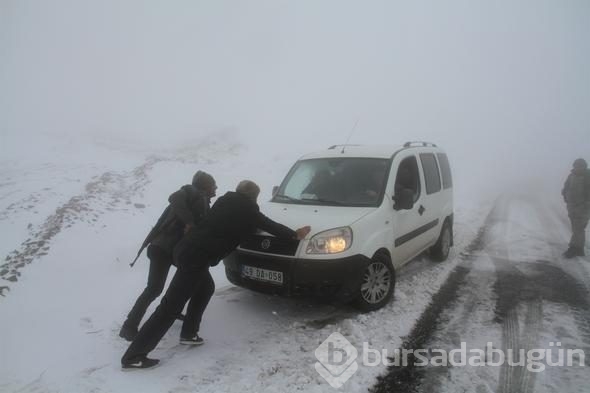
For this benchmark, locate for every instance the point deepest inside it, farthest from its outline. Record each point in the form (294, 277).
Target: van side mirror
(404, 199)
(275, 189)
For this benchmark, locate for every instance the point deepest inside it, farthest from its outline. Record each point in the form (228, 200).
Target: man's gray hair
(249, 189)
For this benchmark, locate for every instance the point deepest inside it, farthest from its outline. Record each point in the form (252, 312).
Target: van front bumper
(328, 279)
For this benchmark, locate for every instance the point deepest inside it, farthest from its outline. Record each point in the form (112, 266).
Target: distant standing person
(187, 207)
(232, 217)
(576, 193)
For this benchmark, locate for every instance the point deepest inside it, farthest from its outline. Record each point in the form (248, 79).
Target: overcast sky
(502, 83)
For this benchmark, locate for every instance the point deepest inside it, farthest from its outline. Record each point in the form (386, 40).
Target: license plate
(256, 273)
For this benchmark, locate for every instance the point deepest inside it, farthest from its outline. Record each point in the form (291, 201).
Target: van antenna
(350, 135)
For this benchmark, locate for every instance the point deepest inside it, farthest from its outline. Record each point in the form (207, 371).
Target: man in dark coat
(576, 193)
(187, 207)
(232, 217)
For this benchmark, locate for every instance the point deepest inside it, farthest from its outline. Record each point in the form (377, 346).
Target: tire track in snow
(519, 292)
(511, 299)
(108, 192)
(509, 293)
(111, 191)
(407, 378)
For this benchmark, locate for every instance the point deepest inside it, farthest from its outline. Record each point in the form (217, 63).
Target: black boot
(570, 253)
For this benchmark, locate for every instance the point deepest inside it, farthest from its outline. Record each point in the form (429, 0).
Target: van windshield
(335, 182)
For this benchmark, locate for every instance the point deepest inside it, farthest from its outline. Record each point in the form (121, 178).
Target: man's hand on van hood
(302, 232)
(319, 218)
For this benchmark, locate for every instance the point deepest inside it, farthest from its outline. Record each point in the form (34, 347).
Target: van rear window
(445, 169)
(431, 174)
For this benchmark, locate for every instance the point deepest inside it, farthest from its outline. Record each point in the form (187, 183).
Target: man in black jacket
(576, 194)
(232, 217)
(187, 207)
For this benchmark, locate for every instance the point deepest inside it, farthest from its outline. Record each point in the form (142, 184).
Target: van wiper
(287, 197)
(321, 200)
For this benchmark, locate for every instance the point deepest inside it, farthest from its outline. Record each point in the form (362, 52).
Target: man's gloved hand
(302, 232)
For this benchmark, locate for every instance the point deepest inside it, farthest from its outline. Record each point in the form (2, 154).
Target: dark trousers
(191, 282)
(578, 239)
(160, 262)
(197, 304)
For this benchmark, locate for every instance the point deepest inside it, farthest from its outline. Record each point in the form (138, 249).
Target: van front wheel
(377, 285)
(440, 251)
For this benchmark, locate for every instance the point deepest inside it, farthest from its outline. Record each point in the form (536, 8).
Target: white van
(371, 209)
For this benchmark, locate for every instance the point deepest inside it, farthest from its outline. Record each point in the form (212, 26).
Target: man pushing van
(187, 207)
(231, 218)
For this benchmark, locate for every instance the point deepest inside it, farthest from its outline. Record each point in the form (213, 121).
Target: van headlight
(330, 242)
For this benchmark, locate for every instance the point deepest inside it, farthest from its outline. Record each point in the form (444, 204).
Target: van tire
(440, 250)
(378, 271)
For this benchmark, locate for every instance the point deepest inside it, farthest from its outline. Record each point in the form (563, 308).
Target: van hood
(320, 218)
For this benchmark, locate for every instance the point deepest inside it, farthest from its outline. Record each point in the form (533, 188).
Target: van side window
(445, 169)
(431, 174)
(408, 176)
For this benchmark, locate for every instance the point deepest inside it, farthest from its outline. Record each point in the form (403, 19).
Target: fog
(503, 86)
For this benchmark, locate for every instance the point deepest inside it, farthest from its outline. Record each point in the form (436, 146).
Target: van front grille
(270, 245)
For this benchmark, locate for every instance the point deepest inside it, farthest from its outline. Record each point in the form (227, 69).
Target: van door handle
(421, 210)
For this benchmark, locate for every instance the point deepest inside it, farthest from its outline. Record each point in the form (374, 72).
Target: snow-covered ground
(73, 219)
(515, 291)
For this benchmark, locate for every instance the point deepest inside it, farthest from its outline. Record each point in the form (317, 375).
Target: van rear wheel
(377, 285)
(440, 251)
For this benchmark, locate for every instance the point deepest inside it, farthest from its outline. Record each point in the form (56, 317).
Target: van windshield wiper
(321, 200)
(287, 197)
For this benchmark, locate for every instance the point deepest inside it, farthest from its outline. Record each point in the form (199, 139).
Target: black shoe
(139, 363)
(570, 253)
(128, 333)
(196, 340)
(180, 317)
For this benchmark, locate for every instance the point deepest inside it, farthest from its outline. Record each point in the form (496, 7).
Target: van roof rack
(335, 146)
(419, 143)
